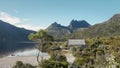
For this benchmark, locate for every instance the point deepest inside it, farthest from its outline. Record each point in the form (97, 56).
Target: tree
(43, 41)
(45, 44)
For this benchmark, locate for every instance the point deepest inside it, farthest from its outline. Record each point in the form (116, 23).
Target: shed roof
(72, 42)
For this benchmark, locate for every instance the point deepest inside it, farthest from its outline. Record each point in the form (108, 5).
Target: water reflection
(32, 52)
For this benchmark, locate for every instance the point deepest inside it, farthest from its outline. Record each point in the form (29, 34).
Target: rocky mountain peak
(74, 24)
(55, 24)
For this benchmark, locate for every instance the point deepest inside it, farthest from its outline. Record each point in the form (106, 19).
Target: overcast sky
(37, 14)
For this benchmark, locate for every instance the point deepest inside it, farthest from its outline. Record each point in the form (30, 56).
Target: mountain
(11, 38)
(105, 29)
(58, 30)
(74, 24)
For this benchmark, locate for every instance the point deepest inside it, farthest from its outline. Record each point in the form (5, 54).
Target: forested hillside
(104, 29)
(11, 38)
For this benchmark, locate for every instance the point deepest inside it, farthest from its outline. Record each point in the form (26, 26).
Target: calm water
(32, 52)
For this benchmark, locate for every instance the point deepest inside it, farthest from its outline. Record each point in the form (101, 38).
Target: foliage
(53, 64)
(46, 44)
(61, 58)
(56, 62)
(42, 39)
(111, 63)
(20, 64)
(101, 52)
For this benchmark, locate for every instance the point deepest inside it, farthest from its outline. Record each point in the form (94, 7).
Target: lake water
(32, 52)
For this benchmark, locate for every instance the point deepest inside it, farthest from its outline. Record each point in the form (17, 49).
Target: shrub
(20, 64)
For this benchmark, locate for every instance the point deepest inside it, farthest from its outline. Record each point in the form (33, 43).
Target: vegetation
(46, 44)
(105, 29)
(43, 40)
(103, 49)
(56, 61)
(20, 64)
(100, 53)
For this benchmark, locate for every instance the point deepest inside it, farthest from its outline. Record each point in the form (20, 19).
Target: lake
(31, 52)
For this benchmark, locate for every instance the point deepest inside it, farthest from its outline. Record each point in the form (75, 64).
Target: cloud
(30, 27)
(18, 21)
(26, 19)
(9, 18)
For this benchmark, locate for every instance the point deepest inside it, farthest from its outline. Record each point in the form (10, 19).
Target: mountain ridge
(108, 28)
(11, 36)
(56, 29)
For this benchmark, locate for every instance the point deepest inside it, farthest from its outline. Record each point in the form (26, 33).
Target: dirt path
(70, 57)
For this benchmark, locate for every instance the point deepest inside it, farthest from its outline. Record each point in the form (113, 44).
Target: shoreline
(8, 62)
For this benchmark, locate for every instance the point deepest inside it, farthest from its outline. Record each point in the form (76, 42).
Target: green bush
(56, 61)
(20, 64)
(53, 64)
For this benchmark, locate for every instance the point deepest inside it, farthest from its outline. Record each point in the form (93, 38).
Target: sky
(39, 14)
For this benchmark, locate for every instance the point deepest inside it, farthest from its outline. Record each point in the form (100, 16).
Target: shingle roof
(72, 42)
